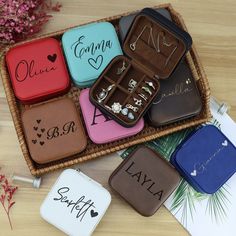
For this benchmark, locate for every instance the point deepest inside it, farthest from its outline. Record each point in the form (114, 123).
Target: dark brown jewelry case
(145, 180)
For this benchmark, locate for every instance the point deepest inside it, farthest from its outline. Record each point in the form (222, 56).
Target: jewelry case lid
(126, 21)
(38, 70)
(99, 125)
(154, 36)
(89, 49)
(144, 180)
(207, 159)
(75, 204)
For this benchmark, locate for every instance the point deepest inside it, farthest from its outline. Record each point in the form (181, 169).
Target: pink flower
(6, 194)
(23, 18)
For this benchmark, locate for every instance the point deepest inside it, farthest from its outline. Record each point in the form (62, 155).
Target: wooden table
(212, 25)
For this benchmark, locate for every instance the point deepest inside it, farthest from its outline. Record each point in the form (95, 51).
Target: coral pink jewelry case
(101, 128)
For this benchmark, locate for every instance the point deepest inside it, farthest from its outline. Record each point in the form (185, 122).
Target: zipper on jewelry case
(88, 178)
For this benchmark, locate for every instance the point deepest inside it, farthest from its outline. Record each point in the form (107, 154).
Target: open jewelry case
(154, 47)
(139, 72)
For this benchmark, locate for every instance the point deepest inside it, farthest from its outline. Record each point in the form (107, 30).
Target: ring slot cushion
(207, 159)
(139, 65)
(145, 180)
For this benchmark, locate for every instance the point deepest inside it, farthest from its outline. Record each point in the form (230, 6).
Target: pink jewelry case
(101, 128)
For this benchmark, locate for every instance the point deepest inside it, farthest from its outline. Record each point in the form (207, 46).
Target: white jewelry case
(75, 204)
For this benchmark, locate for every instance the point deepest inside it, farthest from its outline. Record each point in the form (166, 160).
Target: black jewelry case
(154, 47)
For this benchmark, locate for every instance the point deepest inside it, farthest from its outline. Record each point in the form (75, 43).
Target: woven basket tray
(93, 150)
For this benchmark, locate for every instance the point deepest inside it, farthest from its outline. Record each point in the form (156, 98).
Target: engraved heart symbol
(34, 141)
(225, 143)
(35, 128)
(41, 143)
(39, 135)
(38, 121)
(52, 58)
(194, 173)
(96, 63)
(93, 213)
(42, 130)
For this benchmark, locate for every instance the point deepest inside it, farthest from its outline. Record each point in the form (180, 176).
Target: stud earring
(188, 81)
(138, 102)
(147, 90)
(125, 112)
(103, 94)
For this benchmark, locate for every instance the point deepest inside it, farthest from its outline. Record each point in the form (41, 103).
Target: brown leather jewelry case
(145, 180)
(53, 131)
(178, 98)
(154, 47)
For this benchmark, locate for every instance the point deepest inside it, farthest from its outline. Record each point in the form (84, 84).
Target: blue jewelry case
(207, 159)
(88, 50)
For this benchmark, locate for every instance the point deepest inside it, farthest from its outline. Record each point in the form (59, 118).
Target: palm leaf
(183, 201)
(217, 204)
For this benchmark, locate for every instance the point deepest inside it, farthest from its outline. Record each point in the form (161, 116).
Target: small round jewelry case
(38, 70)
(101, 128)
(53, 130)
(145, 180)
(88, 50)
(207, 159)
(75, 204)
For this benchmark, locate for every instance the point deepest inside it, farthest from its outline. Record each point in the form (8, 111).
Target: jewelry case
(101, 128)
(207, 159)
(38, 70)
(88, 50)
(53, 131)
(144, 180)
(75, 204)
(178, 97)
(133, 81)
